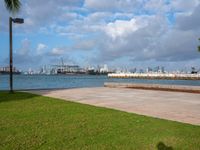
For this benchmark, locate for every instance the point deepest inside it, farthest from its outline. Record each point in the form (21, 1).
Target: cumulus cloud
(41, 48)
(83, 45)
(189, 22)
(134, 41)
(121, 28)
(112, 5)
(57, 52)
(23, 56)
(184, 6)
(25, 47)
(150, 37)
(112, 31)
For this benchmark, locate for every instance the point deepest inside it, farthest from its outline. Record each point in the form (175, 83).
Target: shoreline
(166, 76)
(141, 86)
(158, 87)
(30, 82)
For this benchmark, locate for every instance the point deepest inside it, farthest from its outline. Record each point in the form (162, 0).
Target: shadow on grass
(6, 96)
(162, 146)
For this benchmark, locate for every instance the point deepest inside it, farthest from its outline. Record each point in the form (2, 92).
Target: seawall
(168, 76)
(175, 88)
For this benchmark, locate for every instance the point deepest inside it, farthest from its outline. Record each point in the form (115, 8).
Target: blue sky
(120, 33)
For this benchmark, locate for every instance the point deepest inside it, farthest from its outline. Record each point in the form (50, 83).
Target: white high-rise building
(104, 69)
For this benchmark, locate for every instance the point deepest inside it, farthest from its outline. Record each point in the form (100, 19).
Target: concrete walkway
(178, 106)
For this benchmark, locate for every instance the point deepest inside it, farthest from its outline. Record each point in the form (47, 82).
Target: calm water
(75, 81)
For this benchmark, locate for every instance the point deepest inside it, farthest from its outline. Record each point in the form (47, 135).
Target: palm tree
(12, 6)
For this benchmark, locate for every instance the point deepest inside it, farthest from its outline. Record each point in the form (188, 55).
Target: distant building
(149, 70)
(104, 69)
(64, 69)
(194, 70)
(6, 70)
(141, 71)
(159, 69)
(30, 71)
(133, 70)
(163, 69)
(156, 69)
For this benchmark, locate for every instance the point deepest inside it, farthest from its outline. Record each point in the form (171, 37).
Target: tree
(12, 6)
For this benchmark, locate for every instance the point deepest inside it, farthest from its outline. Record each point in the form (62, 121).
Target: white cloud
(156, 6)
(40, 48)
(103, 4)
(84, 45)
(25, 47)
(24, 57)
(121, 28)
(112, 5)
(69, 16)
(189, 22)
(155, 40)
(57, 51)
(183, 5)
(112, 30)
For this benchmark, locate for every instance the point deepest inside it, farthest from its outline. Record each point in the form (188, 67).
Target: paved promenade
(178, 106)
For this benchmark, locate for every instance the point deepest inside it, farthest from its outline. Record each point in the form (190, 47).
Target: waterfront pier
(169, 76)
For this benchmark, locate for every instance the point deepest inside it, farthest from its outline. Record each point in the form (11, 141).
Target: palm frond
(13, 6)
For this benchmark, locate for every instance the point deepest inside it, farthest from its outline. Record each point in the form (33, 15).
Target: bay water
(21, 82)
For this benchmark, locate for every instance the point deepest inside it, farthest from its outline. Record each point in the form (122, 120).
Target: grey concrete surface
(177, 106)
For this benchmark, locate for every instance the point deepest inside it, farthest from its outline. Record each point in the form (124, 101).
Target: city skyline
(117, 33)
(103, 68)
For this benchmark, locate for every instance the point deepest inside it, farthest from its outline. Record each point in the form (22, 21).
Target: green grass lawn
(30, 121)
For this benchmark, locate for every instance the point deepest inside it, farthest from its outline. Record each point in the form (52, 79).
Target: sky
(119, 33)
